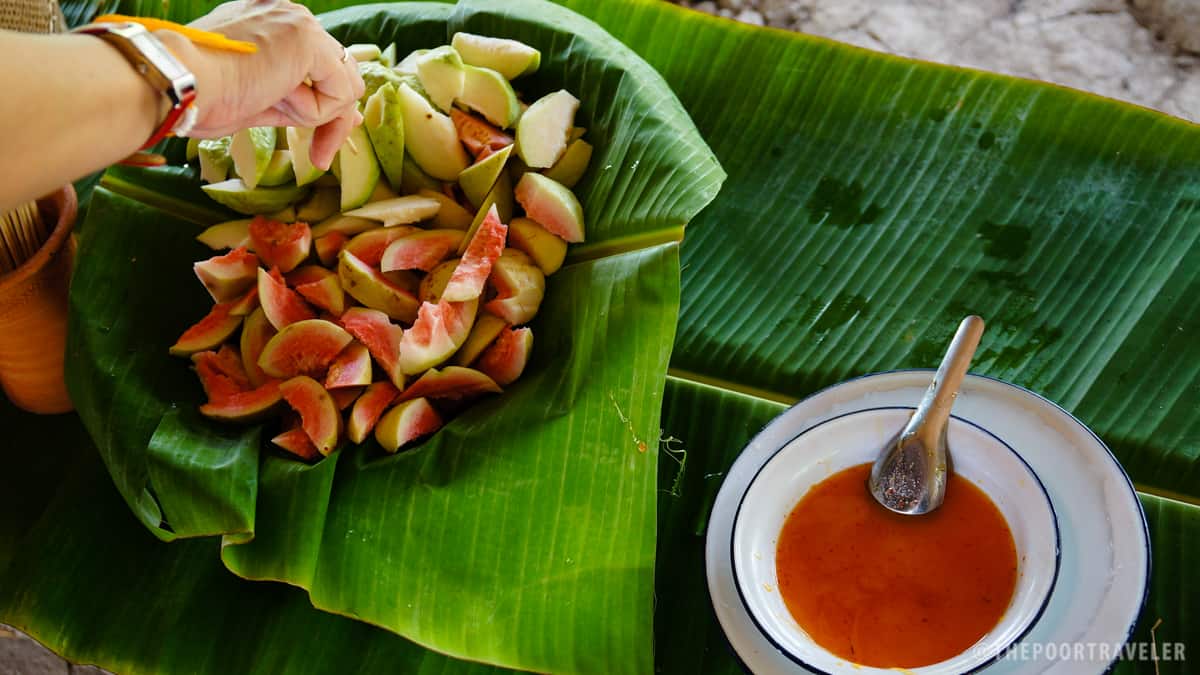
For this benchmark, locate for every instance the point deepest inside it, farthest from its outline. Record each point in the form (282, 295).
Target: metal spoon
(910, 474)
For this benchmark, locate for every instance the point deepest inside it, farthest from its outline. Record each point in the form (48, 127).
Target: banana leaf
(871, 201)
(525, 524)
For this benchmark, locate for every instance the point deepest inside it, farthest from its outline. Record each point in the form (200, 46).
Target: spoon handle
(929, 421)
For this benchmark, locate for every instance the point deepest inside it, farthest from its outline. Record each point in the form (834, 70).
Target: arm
(76, 105)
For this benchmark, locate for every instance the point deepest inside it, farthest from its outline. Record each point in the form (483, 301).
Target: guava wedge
(452, 382)
(229, 234)
(329, 246)
(481, 253)
(399, 211)
(299, 140)
(480, 138)
(505, 360)
(297, 442)
(364, 52)
(450, 215)
(487, 92)
(406, 423)
(478, 179)
(388, 56)
(347, 225)
(344, 397)
(303, 348)
(441, 73)
(413, 179)
(501, 197)
(485, 330)
(438, 332)
(368, 285)
(552, 205)
(215, 328)
(422, 250)
(282, 305)
(282, 245)
(520, 288)
(192, 151)
(221, 373)
(408, 65)
(572, 165)
(351, 368)
(321, 204)
(510, 58)
(375, 75)
(369, 246)
(320, 287)
(215, 161)
(228, 276)
(384, 122)
(257, 331)
(368, 409)
(435, 282)
(319, 415)
(241, 198)
(547, 250)
(252, 150)
(279, 169)
(430, 137)
(246, 407)
(381, 337)
(543, 128)
(358, 169)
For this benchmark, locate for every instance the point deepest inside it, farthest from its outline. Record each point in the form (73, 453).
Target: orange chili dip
(892, 591)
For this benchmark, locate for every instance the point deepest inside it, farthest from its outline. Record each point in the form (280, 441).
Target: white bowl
(856, 438)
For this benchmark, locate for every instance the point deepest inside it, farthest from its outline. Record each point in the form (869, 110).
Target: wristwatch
(165, 73)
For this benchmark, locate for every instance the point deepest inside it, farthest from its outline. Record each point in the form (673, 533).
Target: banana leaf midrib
(678, 375)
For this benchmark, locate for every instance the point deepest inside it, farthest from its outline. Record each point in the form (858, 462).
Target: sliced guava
(369, 408)
(422, 250)
(552, 205)
(351, 368)
(282, 245)
(451, 382)
(481, 253)
(381, 337)
(357, 168)
(406, 423)
(543, 128)
(505, 359)
(238, 196)
(368, 285)
(282, 305)
(303, 348)
(228, 277)
(319, 415)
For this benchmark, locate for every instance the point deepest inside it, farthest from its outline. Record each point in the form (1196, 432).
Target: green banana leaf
(528, 522)
(871, 201)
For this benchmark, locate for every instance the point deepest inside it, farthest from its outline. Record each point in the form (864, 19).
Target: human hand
(272, 86)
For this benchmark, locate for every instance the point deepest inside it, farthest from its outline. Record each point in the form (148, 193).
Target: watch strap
(154, 62)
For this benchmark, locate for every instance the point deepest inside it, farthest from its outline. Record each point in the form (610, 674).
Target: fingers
(329, 137)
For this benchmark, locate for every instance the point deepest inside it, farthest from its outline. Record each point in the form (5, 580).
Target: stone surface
(1143, 51)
